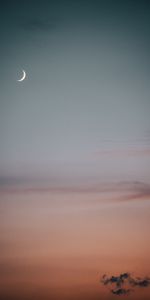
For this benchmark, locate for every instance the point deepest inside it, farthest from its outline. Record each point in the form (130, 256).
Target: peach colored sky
(59, 244)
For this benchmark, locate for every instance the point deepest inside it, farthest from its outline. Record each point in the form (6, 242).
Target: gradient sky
(74, 147)
(86, 92)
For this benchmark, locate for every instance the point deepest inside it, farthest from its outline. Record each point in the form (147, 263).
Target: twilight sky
(83, 110)
(74, 147)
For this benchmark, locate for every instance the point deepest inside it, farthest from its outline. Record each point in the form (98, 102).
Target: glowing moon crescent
(23, 77)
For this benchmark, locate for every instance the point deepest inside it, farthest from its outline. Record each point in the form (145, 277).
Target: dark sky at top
(87, 85)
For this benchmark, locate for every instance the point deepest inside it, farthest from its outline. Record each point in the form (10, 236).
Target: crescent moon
(23, 76)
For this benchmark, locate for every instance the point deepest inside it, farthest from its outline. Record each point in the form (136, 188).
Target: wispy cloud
(38, 25)
(124, 152)
(115, 191)
(133, 147)
(136, 190)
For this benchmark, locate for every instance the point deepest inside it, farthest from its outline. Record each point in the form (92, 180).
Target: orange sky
(59, 244)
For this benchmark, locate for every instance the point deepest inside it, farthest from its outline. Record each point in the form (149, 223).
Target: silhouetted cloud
(121, 291)
(142, 282)
(118, 280)
(123, 281)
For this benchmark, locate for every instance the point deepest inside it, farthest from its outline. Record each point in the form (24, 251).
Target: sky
(86, 91)
(74, 144)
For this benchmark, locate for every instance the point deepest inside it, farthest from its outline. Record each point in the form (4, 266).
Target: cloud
(118, 280)
(38, 25)
(136, 190)
(121, 291)
(12, 180)
(124, 148)
(124, 152)
(141, 282)
(123, 282)
(115, 191)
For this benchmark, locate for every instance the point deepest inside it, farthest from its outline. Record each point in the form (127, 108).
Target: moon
(23, 76)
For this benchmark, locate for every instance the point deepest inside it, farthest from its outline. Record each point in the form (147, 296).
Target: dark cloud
(121, 291)
(118, 280)
(123, 282)
(141, 282)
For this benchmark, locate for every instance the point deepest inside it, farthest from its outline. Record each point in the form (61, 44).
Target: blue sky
(86, 91)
